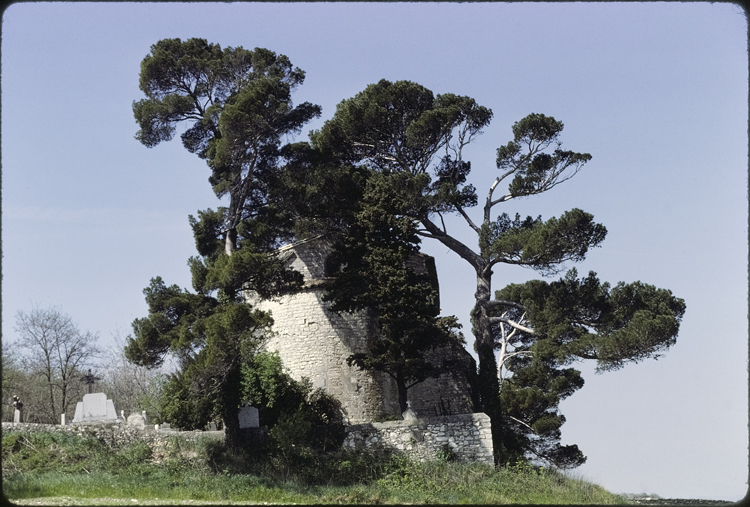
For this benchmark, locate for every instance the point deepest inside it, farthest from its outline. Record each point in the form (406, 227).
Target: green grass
(54, 466)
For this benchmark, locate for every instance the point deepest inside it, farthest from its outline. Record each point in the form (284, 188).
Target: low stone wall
(114, 435)
(468, 436)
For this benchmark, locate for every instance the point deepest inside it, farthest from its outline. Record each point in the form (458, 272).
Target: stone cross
(90, 379)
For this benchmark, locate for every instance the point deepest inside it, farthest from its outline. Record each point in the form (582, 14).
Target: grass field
(56, 469)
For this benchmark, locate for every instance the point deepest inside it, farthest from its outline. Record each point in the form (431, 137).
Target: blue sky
(656, 92)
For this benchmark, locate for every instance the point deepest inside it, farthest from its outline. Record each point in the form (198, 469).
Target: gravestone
(249, 417)
(212, 426)
(95, 408)
(137, 421)
(409, 414)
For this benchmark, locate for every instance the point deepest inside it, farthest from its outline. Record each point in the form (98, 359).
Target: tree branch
(489, 202)
(462, 250)
(502, 302)
(468, 220)
(495, 320)
(521, 422)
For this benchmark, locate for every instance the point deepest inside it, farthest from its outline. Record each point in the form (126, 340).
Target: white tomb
(95, 408)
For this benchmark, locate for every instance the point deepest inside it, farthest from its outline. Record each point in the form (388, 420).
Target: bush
(446, 454)
(301, 420)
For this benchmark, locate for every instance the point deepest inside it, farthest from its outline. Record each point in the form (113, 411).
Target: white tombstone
(212, 426)
(137, 421)
(95, 407)
(249, 417)
(63, 422)
(409, 414)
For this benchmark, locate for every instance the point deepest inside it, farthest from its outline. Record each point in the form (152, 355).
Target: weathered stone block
(136, 421)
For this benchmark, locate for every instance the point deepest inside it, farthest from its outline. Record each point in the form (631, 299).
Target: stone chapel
(314, 342)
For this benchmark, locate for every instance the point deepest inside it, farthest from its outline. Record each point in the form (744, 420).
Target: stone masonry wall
(314, 342)
(469, 436)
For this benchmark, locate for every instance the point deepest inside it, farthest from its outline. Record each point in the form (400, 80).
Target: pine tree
(400, 130)
(239, 105)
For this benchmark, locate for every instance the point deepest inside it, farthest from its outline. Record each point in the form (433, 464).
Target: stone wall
(468, 436)
(114, 435)
(314, 342)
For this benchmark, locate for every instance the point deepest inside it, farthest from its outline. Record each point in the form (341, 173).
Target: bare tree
(132, 388)
(54, 350)
(13, 381)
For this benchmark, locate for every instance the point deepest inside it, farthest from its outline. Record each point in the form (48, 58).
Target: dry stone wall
(115, 435)
(467, 436)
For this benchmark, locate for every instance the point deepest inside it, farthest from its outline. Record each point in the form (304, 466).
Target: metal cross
(90, 379)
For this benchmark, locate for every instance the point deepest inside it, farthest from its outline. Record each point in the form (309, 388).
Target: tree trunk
(229, 407)
(488, 385)
(482, 330)
(64, 398)
(402, 390)
(51, 398)
(487, 388)
(230, 241)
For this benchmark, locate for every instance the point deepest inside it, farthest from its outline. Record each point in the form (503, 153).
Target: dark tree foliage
(237, 106)
(183, 404)
(530, 417)
(377, 275)
(542, 327)
(211, 338)
(316, 193)
(585, 319)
